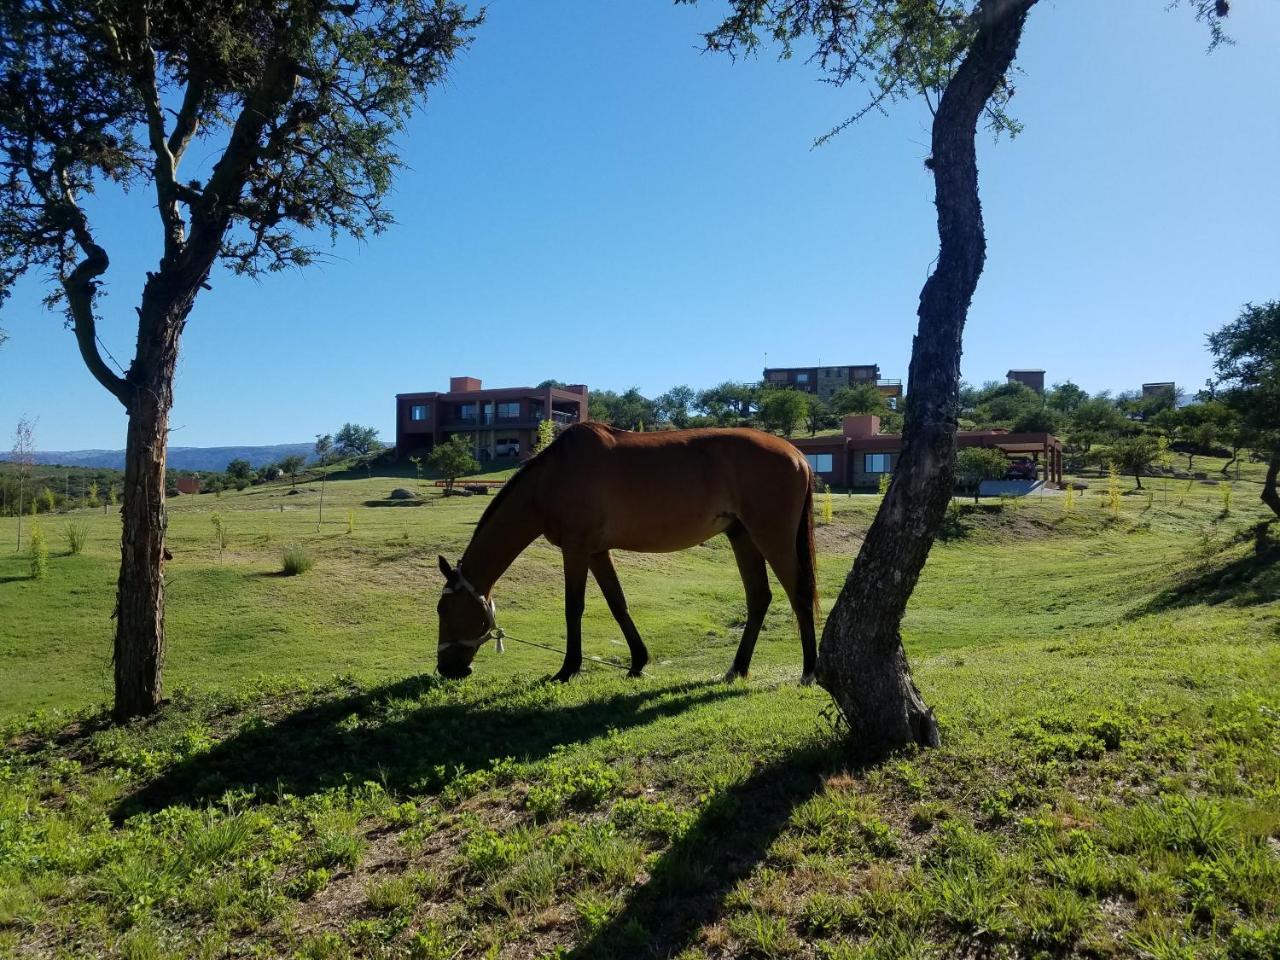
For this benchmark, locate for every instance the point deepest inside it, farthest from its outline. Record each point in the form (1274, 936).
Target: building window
(892, 402)
(802, 378)
(876, 462)
(509, 411)
(820, 462)
(420, 411)
(466, 411)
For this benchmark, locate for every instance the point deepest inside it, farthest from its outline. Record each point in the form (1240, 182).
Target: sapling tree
(956, 55)
(976, 464)
(292, 466)
(453, 459)
(1134, 455)
(23, 457)
(324, 451)
(251, 130)
(546, 434)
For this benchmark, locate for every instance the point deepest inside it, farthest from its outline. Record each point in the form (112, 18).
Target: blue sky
(590, 198)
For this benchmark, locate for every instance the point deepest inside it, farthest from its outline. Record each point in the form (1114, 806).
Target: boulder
(400, 493)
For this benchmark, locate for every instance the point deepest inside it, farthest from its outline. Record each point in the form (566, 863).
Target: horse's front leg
(607, 577)
(575, 600)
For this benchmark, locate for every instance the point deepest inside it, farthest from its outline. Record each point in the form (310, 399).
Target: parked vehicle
(1023, 468)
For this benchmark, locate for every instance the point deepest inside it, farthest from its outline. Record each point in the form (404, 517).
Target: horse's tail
(806, 553)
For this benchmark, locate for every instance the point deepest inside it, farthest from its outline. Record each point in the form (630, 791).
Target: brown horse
(596, 489)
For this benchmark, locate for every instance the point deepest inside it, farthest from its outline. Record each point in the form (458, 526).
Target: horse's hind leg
(779, 548)
(755, 578)
(607, 578)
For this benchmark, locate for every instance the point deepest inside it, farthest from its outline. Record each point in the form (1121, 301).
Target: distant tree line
(737, 404)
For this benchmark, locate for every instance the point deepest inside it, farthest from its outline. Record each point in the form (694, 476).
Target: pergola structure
(1044, 448)
(860, 453)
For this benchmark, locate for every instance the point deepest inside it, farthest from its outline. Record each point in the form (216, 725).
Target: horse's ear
(445, 568)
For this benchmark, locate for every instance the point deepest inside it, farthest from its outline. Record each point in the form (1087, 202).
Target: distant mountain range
(180, 458)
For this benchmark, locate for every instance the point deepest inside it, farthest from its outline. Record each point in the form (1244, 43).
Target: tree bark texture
(861, 661)
(140, 634)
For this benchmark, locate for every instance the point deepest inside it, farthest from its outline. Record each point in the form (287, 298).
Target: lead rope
(542, 646)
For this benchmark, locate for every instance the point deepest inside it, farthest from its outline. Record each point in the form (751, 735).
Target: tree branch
(188, 121)
(143, 73)
(80, 285)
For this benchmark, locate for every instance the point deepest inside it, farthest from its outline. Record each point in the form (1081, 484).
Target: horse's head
(466, 622)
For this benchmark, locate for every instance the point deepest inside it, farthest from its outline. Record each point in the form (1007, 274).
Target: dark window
(509, 411)
(466, 411)
(420, 411)
(876, 462)
(820, 462)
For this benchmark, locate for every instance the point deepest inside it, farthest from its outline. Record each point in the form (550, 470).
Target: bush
(76, 533)
(296, 560)
(39, 552)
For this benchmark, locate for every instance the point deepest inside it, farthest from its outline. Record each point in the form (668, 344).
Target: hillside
(1106, 683)
(180, 458)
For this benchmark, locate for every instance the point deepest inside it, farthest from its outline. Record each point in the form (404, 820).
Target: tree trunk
(140, 635)
(140, 641)
(1269, 495)
(861, 661)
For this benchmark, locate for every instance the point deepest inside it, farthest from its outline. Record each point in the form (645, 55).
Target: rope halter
(491, 631)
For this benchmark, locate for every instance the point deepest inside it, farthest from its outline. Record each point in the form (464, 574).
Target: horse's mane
(517, 478)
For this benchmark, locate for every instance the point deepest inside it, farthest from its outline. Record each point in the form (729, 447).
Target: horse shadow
(690, 884)
(393, 734)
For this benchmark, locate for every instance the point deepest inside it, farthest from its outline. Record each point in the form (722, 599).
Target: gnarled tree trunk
(140, 634)
(861, 660)
(1269, 495)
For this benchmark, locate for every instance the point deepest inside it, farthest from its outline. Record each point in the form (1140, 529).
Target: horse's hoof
(564, 676)
(636, 674)
(806, 680)
(733, 676)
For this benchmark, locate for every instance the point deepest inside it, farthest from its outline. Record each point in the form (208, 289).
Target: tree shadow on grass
(688, 887)
(1245, 581)
(389, 735)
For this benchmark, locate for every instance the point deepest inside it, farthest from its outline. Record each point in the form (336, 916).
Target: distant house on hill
(500, 423)
(860, 454)
(189, 484)
(823, 382)
(1028, 378)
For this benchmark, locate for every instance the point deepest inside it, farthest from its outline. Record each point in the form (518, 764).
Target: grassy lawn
(1109, 783)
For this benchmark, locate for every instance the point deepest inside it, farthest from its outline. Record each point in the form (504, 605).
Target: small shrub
(76, 533)
(91, 500)
(387, 896)
(39, 552)
(351, 521)
(651, 819)
(488, 853)
(885, 480)
(583, 787)
(1054, 919)
(1113, 488)
(826, 506)
(430, 943)
(308, 884)
(295, 560)
(50, 504)
(1224, 491)
(221, 533)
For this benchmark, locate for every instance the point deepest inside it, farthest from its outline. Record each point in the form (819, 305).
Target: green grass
(1107, 786)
